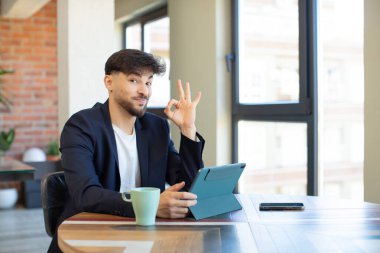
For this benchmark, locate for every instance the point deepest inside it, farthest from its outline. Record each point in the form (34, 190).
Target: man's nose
(143, 89)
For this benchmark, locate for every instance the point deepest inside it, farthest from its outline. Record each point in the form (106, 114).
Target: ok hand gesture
(183, 112)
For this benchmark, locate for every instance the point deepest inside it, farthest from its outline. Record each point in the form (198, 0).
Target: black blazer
(90, 162)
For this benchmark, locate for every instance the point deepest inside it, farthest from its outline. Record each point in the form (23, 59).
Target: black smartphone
(281, 206)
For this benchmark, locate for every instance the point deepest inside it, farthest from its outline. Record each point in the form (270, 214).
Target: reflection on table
(326, 225)
(13, 170)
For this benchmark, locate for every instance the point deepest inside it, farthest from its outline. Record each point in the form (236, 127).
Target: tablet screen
(218, 180)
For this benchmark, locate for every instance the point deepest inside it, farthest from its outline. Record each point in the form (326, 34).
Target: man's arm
(183, 166)
(84, 185)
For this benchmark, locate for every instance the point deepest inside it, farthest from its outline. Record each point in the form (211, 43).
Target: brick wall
(29, 46)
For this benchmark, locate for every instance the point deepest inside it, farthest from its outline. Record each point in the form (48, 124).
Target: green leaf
(6, 139)
(6, 71)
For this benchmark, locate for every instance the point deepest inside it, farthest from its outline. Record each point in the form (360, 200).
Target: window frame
(306, 110)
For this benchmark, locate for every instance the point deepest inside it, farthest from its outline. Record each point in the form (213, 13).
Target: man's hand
(174, 204)
(183, 114)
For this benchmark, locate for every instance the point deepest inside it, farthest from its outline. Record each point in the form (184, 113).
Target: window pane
(341, 89)
(276, 157)
(156, 41)
(268, 54)
(133, 36)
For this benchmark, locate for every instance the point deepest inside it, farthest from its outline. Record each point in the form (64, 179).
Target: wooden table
(326, 225)
(13, 170)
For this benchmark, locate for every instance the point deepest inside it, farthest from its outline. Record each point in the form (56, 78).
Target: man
(115, 146)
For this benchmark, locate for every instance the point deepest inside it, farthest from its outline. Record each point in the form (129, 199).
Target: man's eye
(133, 81)
(148, 84)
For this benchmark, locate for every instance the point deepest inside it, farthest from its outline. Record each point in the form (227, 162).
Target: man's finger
(181, 203)
(197, 98)
(176, 187)
(187, 203)
(185, 195)
(182, 210)
(188, 92)
(178, 215)
(181, 93)
(168, 110)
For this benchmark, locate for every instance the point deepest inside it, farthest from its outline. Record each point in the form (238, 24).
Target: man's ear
(108, 82)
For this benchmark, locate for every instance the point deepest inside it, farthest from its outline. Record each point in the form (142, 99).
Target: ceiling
(20, 8)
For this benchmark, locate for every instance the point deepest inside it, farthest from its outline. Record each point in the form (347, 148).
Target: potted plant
(8, 195)
(5, 102)
(8, 190)
(6, 140)
(52, 151)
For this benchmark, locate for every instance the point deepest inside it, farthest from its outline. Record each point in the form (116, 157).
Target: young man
(115, 146)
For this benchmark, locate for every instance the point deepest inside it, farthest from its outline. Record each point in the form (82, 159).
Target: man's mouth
(142, 101)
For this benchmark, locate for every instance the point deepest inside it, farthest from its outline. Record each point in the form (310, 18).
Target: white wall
(86, 38)
(372, 101)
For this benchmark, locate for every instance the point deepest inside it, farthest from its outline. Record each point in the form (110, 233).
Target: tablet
(214, 188)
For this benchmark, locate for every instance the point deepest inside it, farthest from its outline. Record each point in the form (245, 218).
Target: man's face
(132, 91)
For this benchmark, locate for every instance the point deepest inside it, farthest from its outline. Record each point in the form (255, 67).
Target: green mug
(145, 204)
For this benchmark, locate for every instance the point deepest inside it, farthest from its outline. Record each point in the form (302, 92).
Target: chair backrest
(53, 191)
(42, 168)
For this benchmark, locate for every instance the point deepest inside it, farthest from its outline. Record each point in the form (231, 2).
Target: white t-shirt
(129, 167)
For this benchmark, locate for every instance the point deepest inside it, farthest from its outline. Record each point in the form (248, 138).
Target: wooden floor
(22, 230)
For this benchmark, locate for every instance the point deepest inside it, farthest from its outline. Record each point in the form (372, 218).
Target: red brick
(23, 50)
(29, 46)
(51, 30)
(43, 21)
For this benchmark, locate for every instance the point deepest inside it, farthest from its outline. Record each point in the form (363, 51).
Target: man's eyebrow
(135, 73)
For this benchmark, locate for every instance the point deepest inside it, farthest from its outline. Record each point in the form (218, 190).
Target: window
(298, 96)
(276, 155)
(268, 52)
(341, 89)
(133, 36)
(150, 33)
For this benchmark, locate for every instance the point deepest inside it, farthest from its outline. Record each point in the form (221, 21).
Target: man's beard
(128, 106)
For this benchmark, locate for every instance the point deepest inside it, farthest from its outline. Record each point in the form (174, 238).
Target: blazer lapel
(142, 151)
(110, 132)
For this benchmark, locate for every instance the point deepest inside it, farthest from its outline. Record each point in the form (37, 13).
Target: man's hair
(132, 61)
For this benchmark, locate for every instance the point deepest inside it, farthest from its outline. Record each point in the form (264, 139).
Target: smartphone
(281, 206)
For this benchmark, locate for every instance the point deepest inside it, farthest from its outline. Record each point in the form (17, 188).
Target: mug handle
(125, 198)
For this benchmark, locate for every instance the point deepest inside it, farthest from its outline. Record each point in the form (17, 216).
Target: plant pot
(8, 198)
(53, 158)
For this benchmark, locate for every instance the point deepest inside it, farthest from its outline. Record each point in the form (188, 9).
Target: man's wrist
(190, 133)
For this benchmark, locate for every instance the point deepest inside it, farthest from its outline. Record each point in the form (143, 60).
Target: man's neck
(121, 118)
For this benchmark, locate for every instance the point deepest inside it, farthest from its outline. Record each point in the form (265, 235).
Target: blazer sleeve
(183, 166)
(85, 189)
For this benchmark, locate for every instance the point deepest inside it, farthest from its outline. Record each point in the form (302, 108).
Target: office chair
(54, 191)
(32, 188)
(45, 167)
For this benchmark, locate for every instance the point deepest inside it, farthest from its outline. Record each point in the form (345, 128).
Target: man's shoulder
(95, 110)
(88, 115)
